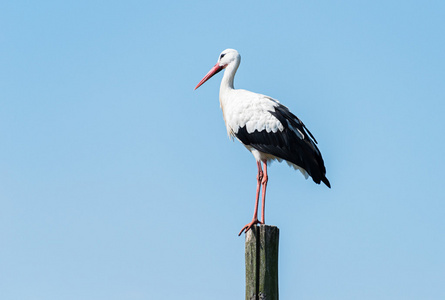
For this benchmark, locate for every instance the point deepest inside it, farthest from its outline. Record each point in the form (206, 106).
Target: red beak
(209, 75)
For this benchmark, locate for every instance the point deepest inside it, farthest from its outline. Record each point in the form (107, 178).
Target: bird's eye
(221, 56)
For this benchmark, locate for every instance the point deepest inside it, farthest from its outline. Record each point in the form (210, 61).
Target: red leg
(264, 184)
(255, 213)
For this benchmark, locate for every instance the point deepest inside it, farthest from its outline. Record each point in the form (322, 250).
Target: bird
(267, 128)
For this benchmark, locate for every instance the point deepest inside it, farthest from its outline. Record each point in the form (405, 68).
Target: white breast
(243, 108)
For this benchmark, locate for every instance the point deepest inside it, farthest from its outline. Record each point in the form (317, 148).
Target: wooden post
(262, 263)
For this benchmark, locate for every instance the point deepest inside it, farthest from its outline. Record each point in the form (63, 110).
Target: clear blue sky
(118, 181)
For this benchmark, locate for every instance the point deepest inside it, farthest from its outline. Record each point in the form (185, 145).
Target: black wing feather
(288, 145)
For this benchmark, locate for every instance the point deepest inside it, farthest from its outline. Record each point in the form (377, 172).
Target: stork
(267, 129)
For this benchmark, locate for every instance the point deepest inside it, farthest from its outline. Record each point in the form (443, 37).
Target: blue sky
(118, 181)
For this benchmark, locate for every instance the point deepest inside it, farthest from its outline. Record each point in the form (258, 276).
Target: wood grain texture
(261, 252)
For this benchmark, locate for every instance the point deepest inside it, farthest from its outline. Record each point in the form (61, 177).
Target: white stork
(266, 128)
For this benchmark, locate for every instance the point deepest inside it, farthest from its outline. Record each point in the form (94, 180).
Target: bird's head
(227, 57)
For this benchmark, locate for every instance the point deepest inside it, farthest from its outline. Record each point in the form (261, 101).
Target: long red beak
(209, 75)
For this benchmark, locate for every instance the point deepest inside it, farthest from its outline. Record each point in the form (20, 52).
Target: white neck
(227, 87)
(229, 76)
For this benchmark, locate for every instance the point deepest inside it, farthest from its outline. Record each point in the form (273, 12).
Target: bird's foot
(248, 226)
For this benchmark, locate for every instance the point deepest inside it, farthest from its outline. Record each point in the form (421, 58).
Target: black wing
(295, 144)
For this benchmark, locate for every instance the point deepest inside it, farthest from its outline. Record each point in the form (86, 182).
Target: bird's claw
(248, 226)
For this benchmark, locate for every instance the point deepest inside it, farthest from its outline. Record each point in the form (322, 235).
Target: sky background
(118, 181)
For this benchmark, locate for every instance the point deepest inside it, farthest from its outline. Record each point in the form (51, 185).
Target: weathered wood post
(262, 263)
